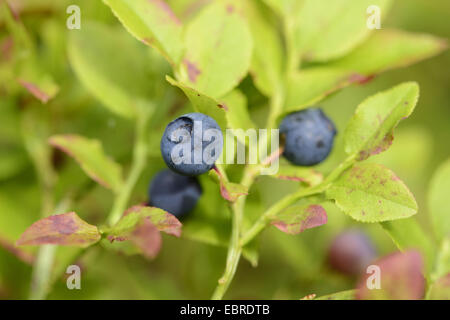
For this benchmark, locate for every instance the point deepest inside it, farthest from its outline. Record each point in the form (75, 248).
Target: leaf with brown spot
(90, 156)
(141, 225)
(219, 50)
(229, 191)
(63, 229)
(298, 218)
(146, 237)
(369, 192)
(370, 130)
(300, 174)
(401, 278)
(164, 221)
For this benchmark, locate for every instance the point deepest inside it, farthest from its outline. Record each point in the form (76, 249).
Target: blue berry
(351, 252)
(191, 144)
(174, 193)
(309, 136)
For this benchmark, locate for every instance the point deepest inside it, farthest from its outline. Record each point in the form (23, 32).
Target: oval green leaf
(152, 22)
(369, 192)
(218, 49)
(370, 130)
(90, 156)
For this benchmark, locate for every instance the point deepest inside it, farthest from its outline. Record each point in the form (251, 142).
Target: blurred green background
(289, 267)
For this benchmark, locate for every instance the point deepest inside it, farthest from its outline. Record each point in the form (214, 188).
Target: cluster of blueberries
(307, 135)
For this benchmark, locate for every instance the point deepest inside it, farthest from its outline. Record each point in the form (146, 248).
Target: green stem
(276, 106)
(234, 248)
(137, 166)
(41, 272)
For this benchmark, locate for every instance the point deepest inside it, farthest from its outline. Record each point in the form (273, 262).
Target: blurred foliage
(289, 267)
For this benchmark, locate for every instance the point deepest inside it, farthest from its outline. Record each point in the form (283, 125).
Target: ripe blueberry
(309, 136)
(174, 193)
(191, 144)
(351, 252)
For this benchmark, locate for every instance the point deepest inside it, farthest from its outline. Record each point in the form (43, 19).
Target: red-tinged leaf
(229, 191)
(63, 229)
(440, 289)
(401, 278)
(300, 174)
(161, 219)
(298, 218)
(141, 225)
(146, 237)
(35, 91)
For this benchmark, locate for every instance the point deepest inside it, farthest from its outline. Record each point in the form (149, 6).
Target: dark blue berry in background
(202, 153)
(351, 252)
(308, 136)
(174, 193)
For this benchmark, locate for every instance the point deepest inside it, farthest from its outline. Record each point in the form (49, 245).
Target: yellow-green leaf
(369, 192)
(370, 130)
(153, 23)
(218, 49)
(90, 156)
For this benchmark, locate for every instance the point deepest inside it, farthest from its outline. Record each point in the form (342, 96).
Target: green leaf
(408, 234)
(309, 86)
(90, 156)
(328, 29)
(65, 229)
(301, 174)
(389, 49)
(153, 23)
(229, 191)
(267, 61)
(369, 192)
(383, 51)
(218, 49)
(298, 218)
(438, 200)
(100, 56)
(342, 295)
(203, 103)
(400, 276)
(370, 130)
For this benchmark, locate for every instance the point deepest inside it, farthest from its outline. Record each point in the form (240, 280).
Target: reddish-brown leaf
(63, 229)
(298, 218)
(401, 278)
